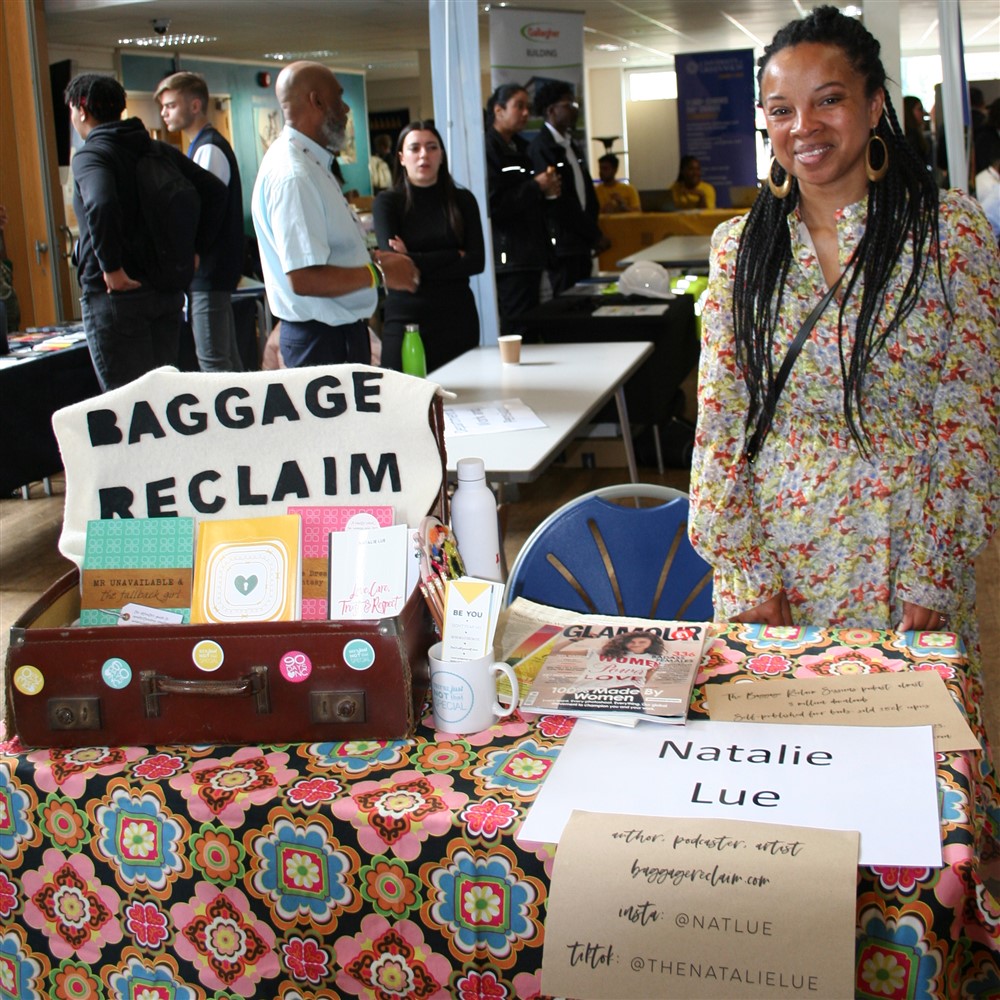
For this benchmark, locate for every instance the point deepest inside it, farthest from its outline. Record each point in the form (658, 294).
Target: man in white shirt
(321, 282)
(183, 100)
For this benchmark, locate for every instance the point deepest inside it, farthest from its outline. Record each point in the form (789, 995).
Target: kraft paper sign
(696, 909)
(822, 777)
(910, 698)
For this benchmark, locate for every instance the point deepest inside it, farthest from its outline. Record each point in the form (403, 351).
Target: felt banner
(220, 445)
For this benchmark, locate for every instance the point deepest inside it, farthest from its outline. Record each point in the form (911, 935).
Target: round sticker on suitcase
(359, 654)
(207, 655)
(295, 666)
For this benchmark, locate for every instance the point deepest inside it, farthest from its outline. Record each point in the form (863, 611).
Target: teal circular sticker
(116, 673)
(359, 654)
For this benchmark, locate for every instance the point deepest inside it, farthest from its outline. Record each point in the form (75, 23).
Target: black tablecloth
(650, 392)
(32, 391)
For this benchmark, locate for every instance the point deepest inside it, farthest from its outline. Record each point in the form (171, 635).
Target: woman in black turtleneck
(426, 216)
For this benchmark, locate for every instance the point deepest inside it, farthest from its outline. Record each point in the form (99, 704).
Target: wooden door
(29, 174)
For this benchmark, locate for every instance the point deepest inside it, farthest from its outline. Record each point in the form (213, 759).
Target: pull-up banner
(531, 47)
(715, 117)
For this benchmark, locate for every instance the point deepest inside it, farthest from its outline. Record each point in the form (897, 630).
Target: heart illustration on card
(245, 584)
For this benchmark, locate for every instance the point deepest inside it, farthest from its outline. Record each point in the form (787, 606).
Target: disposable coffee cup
(510, 349)
(464, 692)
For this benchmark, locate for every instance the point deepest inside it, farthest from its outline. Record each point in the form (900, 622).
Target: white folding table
(565, 385)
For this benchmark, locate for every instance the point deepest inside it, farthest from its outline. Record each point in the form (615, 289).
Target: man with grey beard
(321, 282)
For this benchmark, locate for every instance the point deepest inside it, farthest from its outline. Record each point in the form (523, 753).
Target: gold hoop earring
(779, 191)
(875, 174)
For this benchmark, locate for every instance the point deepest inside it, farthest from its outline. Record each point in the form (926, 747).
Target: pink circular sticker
(295, 666)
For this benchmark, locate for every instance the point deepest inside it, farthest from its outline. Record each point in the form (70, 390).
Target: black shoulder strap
(764, 422)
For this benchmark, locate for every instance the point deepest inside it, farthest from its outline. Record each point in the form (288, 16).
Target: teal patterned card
(134, 564)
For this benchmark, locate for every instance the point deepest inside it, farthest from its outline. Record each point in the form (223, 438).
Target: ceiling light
(852, 11)
(290, 56)
(165, 41)
(608, 47)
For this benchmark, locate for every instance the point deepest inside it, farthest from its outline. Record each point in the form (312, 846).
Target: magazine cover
(618, 670)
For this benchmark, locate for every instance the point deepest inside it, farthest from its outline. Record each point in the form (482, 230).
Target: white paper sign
(827, 777)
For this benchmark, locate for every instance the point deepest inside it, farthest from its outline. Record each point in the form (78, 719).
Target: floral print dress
(850, 537)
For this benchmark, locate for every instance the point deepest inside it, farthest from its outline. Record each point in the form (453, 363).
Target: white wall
(652, 143)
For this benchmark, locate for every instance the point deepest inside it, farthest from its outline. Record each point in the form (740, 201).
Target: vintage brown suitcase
(264, 682)
(277, 682)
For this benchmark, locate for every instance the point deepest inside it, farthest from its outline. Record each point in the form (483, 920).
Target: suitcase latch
(332, 707)
(74, 713)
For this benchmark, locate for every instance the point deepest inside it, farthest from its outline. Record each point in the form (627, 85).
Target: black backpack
(170, 207)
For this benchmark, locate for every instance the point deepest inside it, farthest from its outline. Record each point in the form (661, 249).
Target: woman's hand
(774, 611)
(396, 243)
(920, 619)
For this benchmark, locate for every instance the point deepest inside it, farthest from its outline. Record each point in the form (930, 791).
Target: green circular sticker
(359, 654)
(116, 673)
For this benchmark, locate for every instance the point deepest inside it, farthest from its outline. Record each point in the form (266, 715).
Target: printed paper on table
(247, 569)
(494, 417)
(137, 571)
(317, 524)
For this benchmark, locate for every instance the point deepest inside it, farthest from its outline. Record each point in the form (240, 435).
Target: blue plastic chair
(599, 557)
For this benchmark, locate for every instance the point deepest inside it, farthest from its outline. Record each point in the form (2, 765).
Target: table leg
(633, 472)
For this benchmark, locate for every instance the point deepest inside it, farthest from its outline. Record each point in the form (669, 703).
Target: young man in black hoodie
(131, 327)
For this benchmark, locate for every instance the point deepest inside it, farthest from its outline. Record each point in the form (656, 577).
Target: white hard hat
(646, 277)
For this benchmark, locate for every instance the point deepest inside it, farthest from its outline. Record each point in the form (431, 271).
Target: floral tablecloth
(389, 869)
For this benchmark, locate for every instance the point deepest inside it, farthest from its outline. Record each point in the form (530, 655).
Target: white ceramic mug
(464, 692)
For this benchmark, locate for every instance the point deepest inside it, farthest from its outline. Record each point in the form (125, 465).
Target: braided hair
(402, 182)
(902, 205)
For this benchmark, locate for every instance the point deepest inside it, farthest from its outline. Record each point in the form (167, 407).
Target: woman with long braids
(425, 215)
(849, 481)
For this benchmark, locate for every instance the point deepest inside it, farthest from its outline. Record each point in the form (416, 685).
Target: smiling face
(819, 119)
(421, 157)
(639, 643)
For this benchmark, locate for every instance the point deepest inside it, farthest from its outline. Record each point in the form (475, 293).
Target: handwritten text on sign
(907, 698)
(700, 910)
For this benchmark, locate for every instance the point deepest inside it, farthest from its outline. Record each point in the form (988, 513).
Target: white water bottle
(474, 521)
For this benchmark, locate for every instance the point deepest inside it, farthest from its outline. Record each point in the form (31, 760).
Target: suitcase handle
(253, 685)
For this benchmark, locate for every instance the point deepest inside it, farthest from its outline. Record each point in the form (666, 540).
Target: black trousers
(518, 292)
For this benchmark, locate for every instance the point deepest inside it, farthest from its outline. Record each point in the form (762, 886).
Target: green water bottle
(414, 359)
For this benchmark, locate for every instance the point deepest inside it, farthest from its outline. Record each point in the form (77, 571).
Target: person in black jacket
(426, 216)
(183, 100)
(131, 327)
(520, 239)
(572, 217)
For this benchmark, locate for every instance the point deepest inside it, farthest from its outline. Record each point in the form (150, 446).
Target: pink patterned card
(317, 524)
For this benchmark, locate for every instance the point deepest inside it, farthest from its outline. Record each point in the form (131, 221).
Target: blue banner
(715, 117)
